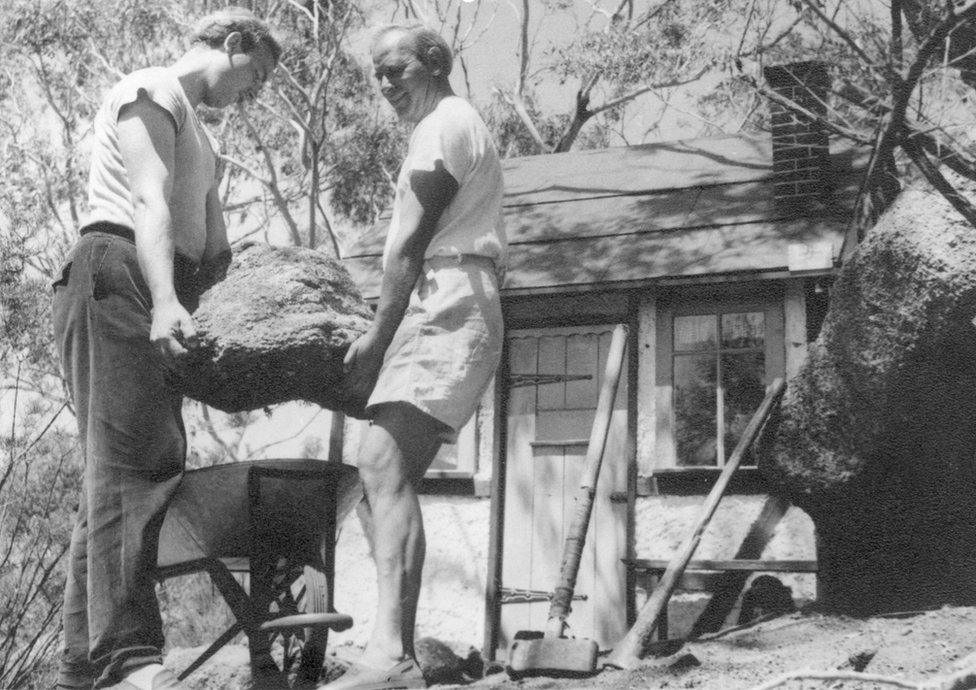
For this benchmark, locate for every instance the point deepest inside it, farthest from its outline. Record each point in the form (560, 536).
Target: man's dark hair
(214, 29)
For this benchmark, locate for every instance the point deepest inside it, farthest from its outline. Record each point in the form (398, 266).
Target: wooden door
(554, 382)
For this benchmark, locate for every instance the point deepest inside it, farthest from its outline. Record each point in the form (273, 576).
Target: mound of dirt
(912, 647)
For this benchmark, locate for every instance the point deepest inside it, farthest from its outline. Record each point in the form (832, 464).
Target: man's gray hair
(420, 40)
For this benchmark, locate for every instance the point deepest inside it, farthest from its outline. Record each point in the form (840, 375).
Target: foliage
(513, 139)
(41, 467)
(313, 140)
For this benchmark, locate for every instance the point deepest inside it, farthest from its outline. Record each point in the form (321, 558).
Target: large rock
(876, 437)
(275, 329)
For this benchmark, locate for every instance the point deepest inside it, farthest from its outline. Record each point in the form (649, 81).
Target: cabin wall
(748, 524)
(452, 598)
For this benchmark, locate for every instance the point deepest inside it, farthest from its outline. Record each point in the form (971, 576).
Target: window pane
(694, 332)
(743, 330)
(694, 409)
(742, 381)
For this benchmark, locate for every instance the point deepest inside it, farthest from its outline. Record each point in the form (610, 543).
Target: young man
(437, 335)
(121, 318)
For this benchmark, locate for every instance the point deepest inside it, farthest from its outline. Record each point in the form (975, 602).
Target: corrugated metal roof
(644, 212)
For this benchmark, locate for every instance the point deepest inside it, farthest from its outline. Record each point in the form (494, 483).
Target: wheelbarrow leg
(224, 638)
(261, 589)
(240, 606)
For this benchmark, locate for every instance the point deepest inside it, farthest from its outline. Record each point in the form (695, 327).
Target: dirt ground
(913, 647)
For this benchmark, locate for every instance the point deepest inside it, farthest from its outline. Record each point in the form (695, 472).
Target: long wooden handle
(572, 551)
(628, 652)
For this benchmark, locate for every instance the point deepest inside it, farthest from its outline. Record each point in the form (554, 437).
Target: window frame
(770, 303)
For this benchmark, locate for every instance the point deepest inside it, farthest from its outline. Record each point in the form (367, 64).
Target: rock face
(876, 436)
(275, 329)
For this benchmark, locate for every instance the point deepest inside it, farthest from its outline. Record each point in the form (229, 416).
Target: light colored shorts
(448, 345)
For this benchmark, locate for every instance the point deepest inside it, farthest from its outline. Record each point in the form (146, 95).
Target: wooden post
(337, 436)
(628, 653)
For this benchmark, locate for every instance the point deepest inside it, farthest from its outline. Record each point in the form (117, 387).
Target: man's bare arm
(429, 194)
(217, 254)
(147, 141)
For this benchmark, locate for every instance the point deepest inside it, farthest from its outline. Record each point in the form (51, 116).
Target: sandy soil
(912, 647)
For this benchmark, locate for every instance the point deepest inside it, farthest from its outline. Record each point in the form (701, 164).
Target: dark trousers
(134, 442)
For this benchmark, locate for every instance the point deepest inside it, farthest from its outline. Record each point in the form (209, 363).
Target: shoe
(405, 675)
(164, 680)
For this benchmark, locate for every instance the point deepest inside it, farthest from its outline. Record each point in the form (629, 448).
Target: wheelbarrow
(276, 521)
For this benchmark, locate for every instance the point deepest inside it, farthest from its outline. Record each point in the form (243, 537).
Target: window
(715, 360)
(457, 460)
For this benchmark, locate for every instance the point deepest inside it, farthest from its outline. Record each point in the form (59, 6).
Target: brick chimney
(801, 155)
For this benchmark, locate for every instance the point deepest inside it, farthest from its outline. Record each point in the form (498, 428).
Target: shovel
(550, 653)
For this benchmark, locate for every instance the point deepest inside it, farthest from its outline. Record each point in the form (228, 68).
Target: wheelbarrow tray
(223, 511)
(247, 517)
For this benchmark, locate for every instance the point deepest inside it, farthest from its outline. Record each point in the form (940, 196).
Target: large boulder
(876, 436)
(274, 329)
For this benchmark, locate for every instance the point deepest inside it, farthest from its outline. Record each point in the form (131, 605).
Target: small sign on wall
(809, 256)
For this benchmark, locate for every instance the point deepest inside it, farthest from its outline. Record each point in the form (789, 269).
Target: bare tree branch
(515, 100)
(841, 33)
(272, 182)
(794, 107)
(938, 181)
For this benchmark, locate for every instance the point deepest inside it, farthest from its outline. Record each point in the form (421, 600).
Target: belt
(184, 268)
(442, 260)
(110, 229)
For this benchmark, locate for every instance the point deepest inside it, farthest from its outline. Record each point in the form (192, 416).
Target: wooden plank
(646, 412)
(576, 309)
(556, 424)
(517, 540)
(745, 564)
(795, 329)
(552, 360)
(583, 359)
(577, 561)
(561, 444)
(496, 469)
(635, 387)
(610, 532)
(548, 525)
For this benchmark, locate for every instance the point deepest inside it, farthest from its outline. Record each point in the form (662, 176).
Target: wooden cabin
(718, 254)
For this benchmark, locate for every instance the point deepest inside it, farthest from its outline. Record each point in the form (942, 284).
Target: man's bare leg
(398, 448)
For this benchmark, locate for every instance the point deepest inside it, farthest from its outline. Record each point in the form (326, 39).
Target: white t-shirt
(109, 195)
(472, 223)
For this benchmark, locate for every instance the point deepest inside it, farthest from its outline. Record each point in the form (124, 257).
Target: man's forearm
(399, 279)
(154, 250)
